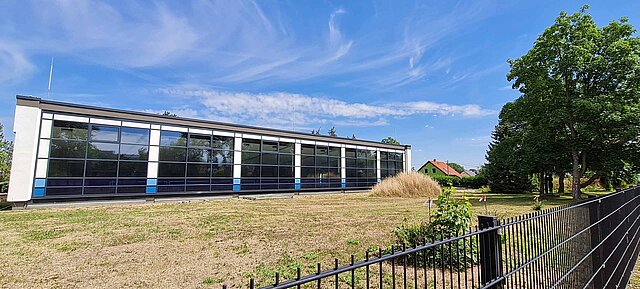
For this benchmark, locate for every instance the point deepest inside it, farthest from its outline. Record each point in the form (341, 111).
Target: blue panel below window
(40, 183)
(297, 181)
(151, 189)
(152, 182)
(38, 192)
(236, 187)
(236, 181)
(297, 184)
(378, 180)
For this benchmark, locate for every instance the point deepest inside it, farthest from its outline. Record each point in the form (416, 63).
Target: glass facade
(80, 157)
(94, 159)
(361, 167)
(391, 164)
(267, 165)
(320, 167)
(191, 162)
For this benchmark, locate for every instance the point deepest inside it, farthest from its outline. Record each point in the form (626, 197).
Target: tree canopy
(457, 167)
(390, 140)
(6, 149)
(579, 109)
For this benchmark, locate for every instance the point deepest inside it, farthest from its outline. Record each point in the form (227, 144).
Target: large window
(93, 159)
(361, 167)
(194, 163)
(390, 163)
(320, 167)
(267, 165)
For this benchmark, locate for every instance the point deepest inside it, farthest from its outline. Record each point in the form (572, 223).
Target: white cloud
(231, 42)
(281, 109)
(15, 64)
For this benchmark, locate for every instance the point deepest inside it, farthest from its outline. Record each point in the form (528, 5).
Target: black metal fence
(590, 244)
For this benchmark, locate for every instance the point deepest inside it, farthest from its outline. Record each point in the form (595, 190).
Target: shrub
(447, 180)
(407, 185)
(451, 217)
(474, 182)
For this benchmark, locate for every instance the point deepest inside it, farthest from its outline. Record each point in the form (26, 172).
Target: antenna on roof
(50, 76)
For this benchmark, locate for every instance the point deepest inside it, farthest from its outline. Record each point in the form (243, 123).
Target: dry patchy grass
(407, 185)
(205, 244)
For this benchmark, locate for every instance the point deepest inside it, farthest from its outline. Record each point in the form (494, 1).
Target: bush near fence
(474, 182)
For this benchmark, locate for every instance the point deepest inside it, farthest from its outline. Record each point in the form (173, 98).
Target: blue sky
(431, 74)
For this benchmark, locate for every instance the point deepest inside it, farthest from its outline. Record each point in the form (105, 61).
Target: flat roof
(64, 107)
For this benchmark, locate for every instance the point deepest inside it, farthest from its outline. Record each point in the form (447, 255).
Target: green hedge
(474, 182)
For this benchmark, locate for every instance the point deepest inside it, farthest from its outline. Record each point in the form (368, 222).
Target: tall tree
(581, 83)
(390, 140)
(6, 149)
(507, 170)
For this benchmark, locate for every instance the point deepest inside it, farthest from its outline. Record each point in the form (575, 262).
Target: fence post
(595, 210)
(490, 252)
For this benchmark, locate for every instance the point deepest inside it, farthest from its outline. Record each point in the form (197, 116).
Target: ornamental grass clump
(407, 185)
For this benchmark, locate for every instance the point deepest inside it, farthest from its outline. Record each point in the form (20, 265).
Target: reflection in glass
(269, 146)
(68, 149)
(197, 140)
(69, 130)
(198, 170)
(222, 171)
(173, 138)
(134, 135)
(198, 155)
(132, 169)
(251, 145)
(222, 157)
(66, 168)
(173, 154)
(102, 169)
(104, 133)
(171, 170)
(103, 151)
(134, 152)
(222, 143)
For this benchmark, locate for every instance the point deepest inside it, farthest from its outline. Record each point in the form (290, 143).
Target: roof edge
(32, 101)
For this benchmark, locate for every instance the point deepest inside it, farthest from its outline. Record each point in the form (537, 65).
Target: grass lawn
(204, 244)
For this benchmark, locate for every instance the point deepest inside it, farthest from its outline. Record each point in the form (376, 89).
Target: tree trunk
(550, 184)
(561, 183)
(541, 183)
(576, 174)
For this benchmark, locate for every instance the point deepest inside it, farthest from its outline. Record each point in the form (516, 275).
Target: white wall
(407, 159)
(26, 127)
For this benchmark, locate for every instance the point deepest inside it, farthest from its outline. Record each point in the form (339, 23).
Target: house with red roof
(435, 168)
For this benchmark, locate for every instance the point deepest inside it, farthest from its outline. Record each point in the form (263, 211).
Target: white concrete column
(26, 127)
(237, 160)
(343, 166)
(407, 159)
(378, 174)
(154, 155)
(297, 162)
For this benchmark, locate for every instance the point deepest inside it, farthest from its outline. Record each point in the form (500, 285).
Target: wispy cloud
(280, 109)
(14, 62)
(237, 42)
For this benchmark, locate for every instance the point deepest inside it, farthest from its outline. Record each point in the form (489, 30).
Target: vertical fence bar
(490, 253)
(380, 265)
(335, 266)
